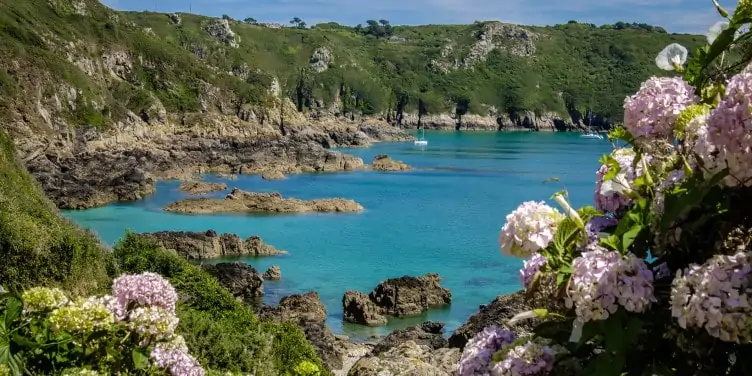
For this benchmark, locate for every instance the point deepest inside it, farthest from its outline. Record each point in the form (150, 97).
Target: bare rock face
(239, 201)
(358, 308)
(220, 29)
(321, 59)
(401, 297)
(273, 274)
(272, 175)
(207, 245)
(385, 132)
(409, 358)
(385, 163)
(243, 281)
(200, 187)
(429, 334)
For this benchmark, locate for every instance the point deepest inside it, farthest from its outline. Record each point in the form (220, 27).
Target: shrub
(657, 277)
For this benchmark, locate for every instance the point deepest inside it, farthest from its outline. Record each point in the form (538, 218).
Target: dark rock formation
(405, 296)
(273, 274)
(385, 163)
(429, 334)
(243, 281)
(239, 201)
(207, 245)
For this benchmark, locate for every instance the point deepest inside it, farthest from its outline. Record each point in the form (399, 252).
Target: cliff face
(101, 104)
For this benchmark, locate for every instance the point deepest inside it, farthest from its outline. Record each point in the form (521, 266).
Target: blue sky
(681, 16)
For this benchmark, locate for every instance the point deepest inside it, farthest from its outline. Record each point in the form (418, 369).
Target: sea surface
(443, 217)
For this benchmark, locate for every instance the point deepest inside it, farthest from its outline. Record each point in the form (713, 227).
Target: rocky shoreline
(239, 201)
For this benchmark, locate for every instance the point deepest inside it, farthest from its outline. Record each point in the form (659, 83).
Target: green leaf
(688, 196)
(611, 241)
(566, 234)
(13, 309)
(554, 330)
(613, 167)
(140, 360)
(629, 237)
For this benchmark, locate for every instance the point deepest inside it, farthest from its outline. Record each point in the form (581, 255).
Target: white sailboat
(422, 141)
(590, 133)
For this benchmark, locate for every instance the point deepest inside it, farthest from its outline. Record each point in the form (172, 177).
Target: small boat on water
(590, 133)
(422, 141)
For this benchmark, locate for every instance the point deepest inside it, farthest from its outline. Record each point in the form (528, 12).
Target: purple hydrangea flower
(530, 267)
(612, 196)
(597, 224)
(716, 296)
(146, 290)
(652, 111)
(175, 360)
(530, 359)
(479, 351)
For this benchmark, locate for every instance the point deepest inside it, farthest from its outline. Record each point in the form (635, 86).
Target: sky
(679, 16)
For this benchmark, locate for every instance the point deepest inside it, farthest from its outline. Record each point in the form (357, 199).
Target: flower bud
(720, 9)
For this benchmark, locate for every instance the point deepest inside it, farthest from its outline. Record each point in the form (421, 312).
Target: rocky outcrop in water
(243, 281)
(429, 334)
(274, 273)
(385, 163)
(200, 187)
(401, 297)
(239, 201)
(272, 175)
(306, 307)
(208, 245)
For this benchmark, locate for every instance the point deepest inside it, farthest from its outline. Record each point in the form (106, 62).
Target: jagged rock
(243, 281)
(297, 308)
(410, 296)
(429, 334)
(358, 308)
(385, 163)
(321, 59)
(207, 245)
(498, 312)
(200, 187)
(511, 38)
(118, 63)
(221, 30)
(409, 358)
(272, 175)
(239, 201)
(174, 17)
(401, 297)
(273, 274)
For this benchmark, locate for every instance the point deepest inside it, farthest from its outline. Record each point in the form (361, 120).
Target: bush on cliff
(38, 246)
(656, 277)
(222, 333)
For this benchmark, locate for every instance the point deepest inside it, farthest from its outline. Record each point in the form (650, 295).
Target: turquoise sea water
(442, 217)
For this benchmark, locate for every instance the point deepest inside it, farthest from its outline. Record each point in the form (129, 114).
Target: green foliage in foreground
(222, 333)
(38, 246)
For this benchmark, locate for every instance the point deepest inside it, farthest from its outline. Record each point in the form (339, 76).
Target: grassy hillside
(433, 69)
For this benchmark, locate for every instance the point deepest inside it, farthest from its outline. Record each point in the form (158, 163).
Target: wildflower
(479, 350)
(530, 359)
(716, 296)
(613, 196)
(529, 228)
(719, 27)
(147, 289)
(82, 316)
(154, 322)
(175, 361)
(603, 280)
(530, 268)
(652, 111)
(672, 57)
(729, 132)
(40, 299)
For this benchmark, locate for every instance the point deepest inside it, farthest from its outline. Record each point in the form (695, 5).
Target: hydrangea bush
(129, 332)
(655, 278)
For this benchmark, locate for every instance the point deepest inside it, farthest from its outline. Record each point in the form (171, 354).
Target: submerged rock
(385, 163)
(207, 245)
(243, 281)
(200, 187)
(401, 297)
(239, 201)
(273, 274)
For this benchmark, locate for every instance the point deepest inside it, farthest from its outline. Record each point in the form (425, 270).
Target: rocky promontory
(200, 187)
(274, 273)
(239, 201)
(209, 244)
(243, 281)
(401, 297)
(385, 163)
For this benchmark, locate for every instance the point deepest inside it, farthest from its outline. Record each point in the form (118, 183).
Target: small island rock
(273, 274)
(385, 163)
(207, 245)
(358, 308)
(243, 281)
(239, 201)
(272, 175)
(200, 187)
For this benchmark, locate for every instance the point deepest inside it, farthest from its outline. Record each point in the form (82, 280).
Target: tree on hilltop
(250, 20)
(298, 22)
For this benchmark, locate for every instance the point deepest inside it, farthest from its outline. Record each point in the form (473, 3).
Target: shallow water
(442, 217)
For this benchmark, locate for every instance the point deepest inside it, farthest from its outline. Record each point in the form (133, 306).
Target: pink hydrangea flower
(530, 267)
(479, 350)
(651, 112)
(729, 132)
(717, 297)
(529, 228)
(146, 290)
(175, 360)
(530, 359)
(603, 280)
(612, 196)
